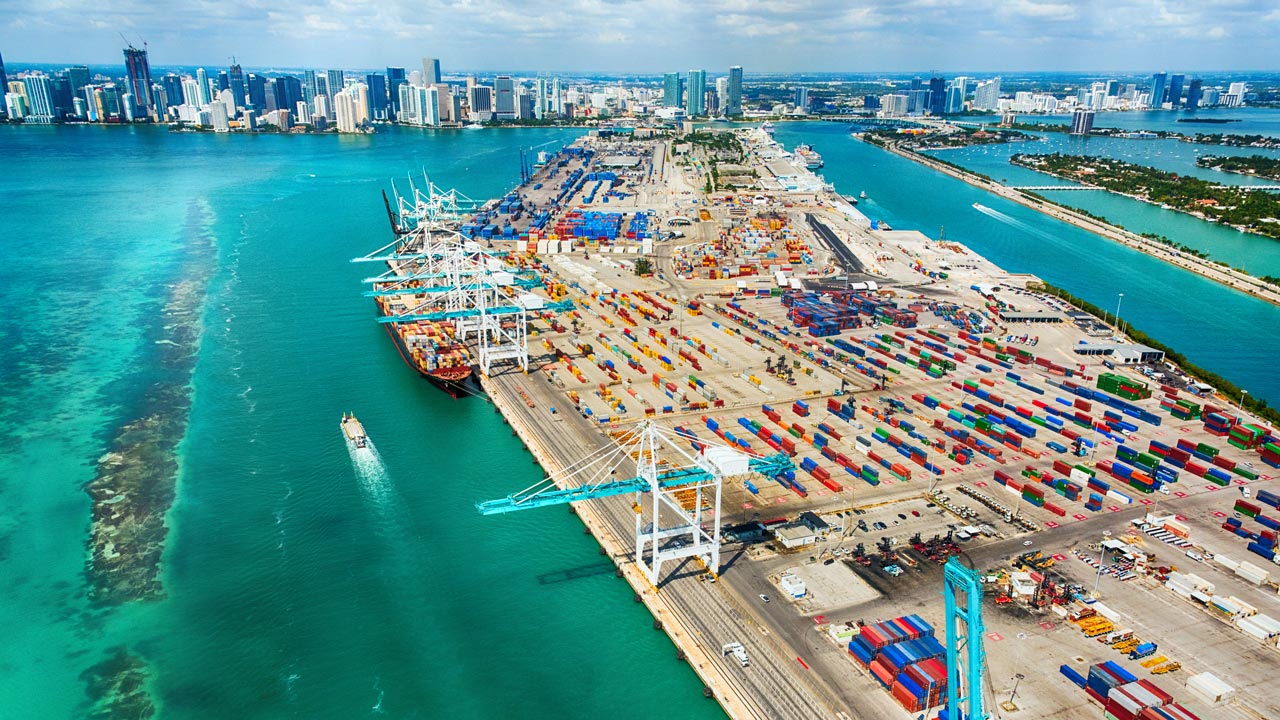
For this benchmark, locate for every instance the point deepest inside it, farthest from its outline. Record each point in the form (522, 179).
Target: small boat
(863, 194)
(852, 199)
(354, 431)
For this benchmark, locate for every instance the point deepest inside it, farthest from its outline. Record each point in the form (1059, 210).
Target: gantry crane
(964, 702)
(440, 275)
(677, 491)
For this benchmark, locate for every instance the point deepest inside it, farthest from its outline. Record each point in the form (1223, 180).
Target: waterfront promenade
(1219, 273)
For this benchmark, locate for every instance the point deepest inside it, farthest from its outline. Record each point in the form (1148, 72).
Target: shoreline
(666, 619)
(1234, 279)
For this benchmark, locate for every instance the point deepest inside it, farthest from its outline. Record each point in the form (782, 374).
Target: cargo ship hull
(455, 381)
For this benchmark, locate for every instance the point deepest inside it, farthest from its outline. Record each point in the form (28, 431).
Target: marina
(783, 322)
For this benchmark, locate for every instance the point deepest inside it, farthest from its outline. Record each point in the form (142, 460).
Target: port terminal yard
(933, 405)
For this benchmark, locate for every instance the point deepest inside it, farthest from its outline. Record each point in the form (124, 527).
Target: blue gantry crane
(677, 484)
(964, 702)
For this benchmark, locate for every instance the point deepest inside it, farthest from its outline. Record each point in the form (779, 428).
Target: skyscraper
(697, 102)
(335, 81)
(138, 72)
(236, 84)
(4, 82)
(1193, 94)
(1175, 90)
(309, 87)
(172, 84)
(202, 87)
(802, 98)
(937, 95)
(557, 97)
(378, 101)
(671, 90)
(39, 92)
(1158, 86)
(955, 99)
(223, 81)
(986, 96)
(395, 78)
(77, 75)
(734, 104)
(1081, 122)
(504, 98)
(1113, 88)
(430, 71)
(257, 86)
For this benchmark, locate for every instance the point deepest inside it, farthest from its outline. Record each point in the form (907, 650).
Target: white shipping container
(1226, 562)
(522, 246)
(542, 246)
(1209, 688)
(1119, 497)
(1245, 608)
(1080, 476)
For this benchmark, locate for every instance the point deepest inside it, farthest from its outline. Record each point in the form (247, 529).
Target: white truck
(738, 652)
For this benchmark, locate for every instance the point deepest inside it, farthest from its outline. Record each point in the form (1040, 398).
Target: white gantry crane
(677, 485)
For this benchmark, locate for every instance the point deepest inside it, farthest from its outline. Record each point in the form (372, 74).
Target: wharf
(697, 617)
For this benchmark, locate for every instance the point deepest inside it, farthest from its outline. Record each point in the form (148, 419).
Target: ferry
(812, 160)
(353, 430)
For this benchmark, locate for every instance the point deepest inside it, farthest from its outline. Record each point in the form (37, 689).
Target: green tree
(644, 267)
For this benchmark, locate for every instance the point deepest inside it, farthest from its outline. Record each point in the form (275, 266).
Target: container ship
(812, 160)
(428, 347)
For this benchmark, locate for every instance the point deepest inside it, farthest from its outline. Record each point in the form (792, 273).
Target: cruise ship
(812, 160)
(767, 127)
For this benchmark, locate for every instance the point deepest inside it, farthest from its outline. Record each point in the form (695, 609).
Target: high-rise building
(39, 92)
(379, 103)
(138, 78)
(1236, 88)
(288, 91)
(557, 97)
(1159, 85)
(986, 96)
(697, 102)
(236, 84)
(893, 105)
(802, 98)
(4, 82)
(77, 75)
(395, 78)
(220, 117)
(671, 90)
(1081, 122)
(430, 71)
(173, 94)
(1113, 88)
(1193, 94)
(309, 89)
(937, 95)
(257, 87)
(722, 94)
(917, 83)
(872, 102)
(917, 101)
(334, 81)
(504, 98)
(955, 99)
(1175, 90)
(344, 108)
(733, 106)
(223, 81)
(540, 104)
(202, 88)
(480, 98)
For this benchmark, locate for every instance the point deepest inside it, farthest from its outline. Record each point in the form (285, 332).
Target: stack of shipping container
(905, 658)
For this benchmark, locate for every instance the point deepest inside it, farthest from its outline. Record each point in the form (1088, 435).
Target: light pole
(1118, 301)
(1242, 394)
(1016, 679)
(1101, 553)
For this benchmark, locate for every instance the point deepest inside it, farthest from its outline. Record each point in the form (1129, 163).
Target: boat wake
(1014, 222)
(370, 472)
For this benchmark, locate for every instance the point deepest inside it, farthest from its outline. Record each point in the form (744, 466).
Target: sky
(649, 36)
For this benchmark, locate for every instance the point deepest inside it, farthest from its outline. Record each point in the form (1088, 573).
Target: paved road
(775, 686)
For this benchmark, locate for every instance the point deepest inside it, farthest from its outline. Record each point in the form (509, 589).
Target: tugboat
(354, 431)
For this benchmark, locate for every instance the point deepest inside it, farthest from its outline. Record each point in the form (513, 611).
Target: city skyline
(820, 36)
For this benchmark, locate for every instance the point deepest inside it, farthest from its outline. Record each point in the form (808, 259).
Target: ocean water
(299, 578)
(1217, 328)
(1256, 254)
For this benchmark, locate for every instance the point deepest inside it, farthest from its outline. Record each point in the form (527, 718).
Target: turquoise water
(297, 582)
(1217, 328)
(1253, 121)
(1254, 253)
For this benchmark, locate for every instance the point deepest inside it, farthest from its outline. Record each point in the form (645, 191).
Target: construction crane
(682, 480)
(964, 702)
